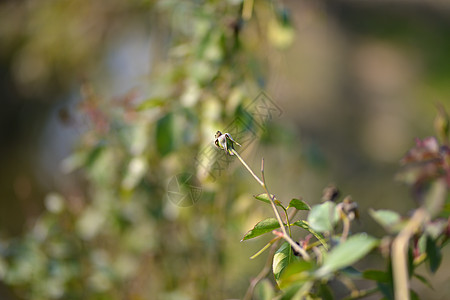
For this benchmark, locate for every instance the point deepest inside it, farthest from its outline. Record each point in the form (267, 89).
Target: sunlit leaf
(386, 218)
(261, 227)
(323, 217)
(150, 103)
(297, 271)
(347, 253)
(265, 247)
(282, 258)
(298, 204)
(265, 198)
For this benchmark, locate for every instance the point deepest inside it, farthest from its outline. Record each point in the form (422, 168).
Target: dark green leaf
(298, 204)
(434, 254)
(413, 295)
(261, 227)
(424, 280)
(264, 198)
(319, 236)
(282, 258)
(387, 290)
(165, 141)
(351, 273)
(376, 275)
(323, 217)
(325, 292)
(347, 253)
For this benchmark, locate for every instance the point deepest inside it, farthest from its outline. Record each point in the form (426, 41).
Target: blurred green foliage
(123, 239)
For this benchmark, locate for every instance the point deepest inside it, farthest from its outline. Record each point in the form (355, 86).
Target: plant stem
(272, 202)
(262, 274)
(399, 254)
(248, 168)
(287, 221)
(346, 227)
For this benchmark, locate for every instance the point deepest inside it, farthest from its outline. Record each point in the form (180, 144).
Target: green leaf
(424, 280)
(434, 254)
(264, 248)
(347, 253)
(319, 236)
(297, 291)
(387, 290)
(264, 198)
(150, 103)
(413, 295)
(262, 227)
(165, 141)
(265, 290)
(325, 292)
(323, 217)
(376, 275)
(386, 218)
(298, 204)
(296, 272)
(282, 258)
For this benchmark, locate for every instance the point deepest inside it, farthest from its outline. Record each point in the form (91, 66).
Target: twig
(248, 168)
(346, 227)
(399, 254)
(272, 202)
(263, 273)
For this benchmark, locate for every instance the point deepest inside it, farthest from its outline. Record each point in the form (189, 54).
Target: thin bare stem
(272, 202)
(399, 254)
(346, 227)
(262, 274)
(277, 214)
(247, 167)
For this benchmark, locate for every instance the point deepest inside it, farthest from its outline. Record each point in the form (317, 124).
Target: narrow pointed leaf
(434, 254)
(264, 248)
(319, 236)
(261, 227)
(424, 281)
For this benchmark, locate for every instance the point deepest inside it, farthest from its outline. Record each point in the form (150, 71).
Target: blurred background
(109, 110)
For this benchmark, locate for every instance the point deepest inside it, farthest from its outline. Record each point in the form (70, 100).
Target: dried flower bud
(225, 141)
(330, 193)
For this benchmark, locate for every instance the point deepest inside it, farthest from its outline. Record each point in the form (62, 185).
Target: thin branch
(248, 168)
(272, 202)
(399, 254)
(346, 227)
(263, 273)
(294, 245)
